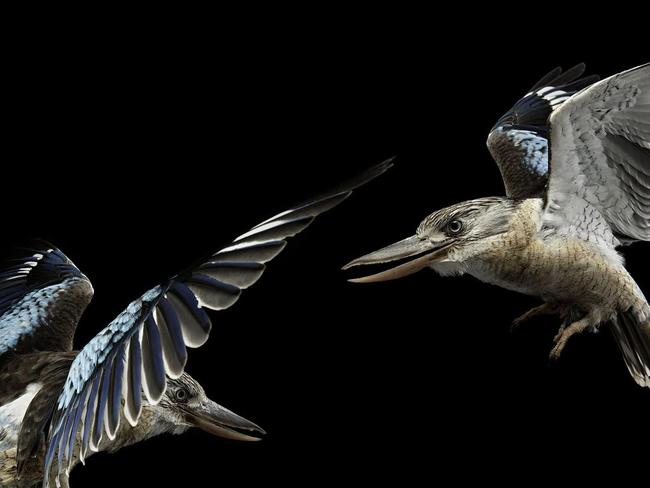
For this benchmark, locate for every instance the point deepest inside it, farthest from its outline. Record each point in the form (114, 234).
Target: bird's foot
(565, 334)
(544, 309)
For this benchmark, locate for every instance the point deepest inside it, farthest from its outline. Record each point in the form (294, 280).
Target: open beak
(217, 420)
(419, 252)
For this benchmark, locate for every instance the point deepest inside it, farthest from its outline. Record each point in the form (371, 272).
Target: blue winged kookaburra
(58, 406)
(574, 154)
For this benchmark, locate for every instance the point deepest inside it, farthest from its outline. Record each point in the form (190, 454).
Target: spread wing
(149, 340)
(518, 142)
(42, 297)
(599, 187)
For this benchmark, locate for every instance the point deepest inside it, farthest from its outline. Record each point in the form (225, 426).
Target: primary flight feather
(58, 406)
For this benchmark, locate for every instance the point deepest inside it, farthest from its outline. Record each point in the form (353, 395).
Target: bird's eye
(181, 395)
(455, 226)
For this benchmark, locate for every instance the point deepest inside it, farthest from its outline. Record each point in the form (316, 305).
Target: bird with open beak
(446, 241)
(556, 233)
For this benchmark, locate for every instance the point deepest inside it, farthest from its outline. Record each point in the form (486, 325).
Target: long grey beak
(422, 250)
(217, 420)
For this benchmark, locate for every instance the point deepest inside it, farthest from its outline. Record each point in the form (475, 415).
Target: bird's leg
(565, 333)
(544, 309)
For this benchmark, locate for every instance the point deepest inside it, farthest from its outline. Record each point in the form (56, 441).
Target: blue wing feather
(174, 349)
(153, 365)
(77, 420)
(133, 404)
(42, 297)
(212, 293)
(115, 394)
(195, 323)
(91, 404)
(159, 326)
(102, 400)
(518, 141)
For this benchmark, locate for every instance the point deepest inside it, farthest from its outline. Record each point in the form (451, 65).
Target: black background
(137, 153)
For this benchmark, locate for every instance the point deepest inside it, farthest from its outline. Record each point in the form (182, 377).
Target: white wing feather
(599, 188)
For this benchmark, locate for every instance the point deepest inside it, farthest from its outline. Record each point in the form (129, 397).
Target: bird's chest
(11, 418)
(510, 273)
(558, 270)
(12, 414)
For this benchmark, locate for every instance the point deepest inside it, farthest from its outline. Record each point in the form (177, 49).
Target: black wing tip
(41, 244)
(576, 70)
(351, 184)
(543, 81)
(588, 80)
(27, 249)
(572, 76)
(534, 108)
(22, 248)
(51, 265)
(366, 176)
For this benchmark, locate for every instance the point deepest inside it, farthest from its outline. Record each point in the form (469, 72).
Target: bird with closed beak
(574, 155)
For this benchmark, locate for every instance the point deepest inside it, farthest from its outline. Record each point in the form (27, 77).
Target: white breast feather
(12, 414)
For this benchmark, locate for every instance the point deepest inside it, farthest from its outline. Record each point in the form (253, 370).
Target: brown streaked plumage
(562, 247)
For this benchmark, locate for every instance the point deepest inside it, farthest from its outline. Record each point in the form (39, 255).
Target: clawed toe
(565, 333)
(556, 352)
(545, 309)
(517, 322)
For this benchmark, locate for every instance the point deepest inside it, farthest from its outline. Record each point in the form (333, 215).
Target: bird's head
(445, 240)
(186, 405)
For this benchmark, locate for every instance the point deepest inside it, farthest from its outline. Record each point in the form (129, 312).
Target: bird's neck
(503, 258)
(525, 224)
(522, 228)
(153, 422)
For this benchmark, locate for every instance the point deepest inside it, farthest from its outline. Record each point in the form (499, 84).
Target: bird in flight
(574, 155)
(128, 384)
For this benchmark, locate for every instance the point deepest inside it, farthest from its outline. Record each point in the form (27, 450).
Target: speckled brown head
(455, 233)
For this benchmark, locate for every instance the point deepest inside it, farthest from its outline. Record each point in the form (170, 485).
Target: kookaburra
(59, 406)
(574, 154)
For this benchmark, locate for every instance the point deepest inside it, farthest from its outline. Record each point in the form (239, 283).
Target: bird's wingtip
(371, 173)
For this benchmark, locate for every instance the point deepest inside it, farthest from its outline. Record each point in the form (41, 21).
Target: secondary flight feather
(574, 154)
(133, 370)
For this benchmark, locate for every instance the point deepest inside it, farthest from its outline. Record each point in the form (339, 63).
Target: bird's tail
(631, 330)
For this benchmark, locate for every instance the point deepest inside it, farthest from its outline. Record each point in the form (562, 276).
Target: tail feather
(632, 333)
